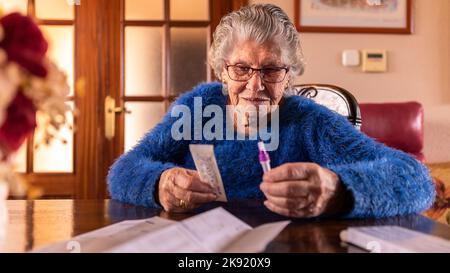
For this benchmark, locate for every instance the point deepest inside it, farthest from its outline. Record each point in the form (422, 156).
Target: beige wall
(418, 68)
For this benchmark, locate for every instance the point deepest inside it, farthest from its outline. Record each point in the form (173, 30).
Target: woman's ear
(287, 81)
(224, 83)
(223, 76)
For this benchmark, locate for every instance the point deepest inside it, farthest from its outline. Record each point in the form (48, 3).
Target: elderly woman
(322, 166)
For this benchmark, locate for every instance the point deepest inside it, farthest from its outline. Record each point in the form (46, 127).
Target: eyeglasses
(268, 74)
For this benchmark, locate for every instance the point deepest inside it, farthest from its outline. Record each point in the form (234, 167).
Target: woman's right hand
(181, 190)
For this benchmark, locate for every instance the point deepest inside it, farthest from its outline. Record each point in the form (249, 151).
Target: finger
(192, 182)
(314, 208)
(172, 204)
(289, 203)
(287, 212)
(193, 197)
(280, 210)
(310, 211)
(289, 171)
(289, 189)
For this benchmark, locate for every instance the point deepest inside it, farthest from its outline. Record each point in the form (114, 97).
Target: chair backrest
(333, 97)
(398, 125)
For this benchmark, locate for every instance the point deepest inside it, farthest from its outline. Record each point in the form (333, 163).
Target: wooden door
(140, 53)
(163, 54)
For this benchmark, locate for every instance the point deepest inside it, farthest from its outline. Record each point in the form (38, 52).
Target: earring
(224, 87)
(286, 86)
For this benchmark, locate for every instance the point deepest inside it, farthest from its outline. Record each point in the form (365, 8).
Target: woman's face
(255, 92)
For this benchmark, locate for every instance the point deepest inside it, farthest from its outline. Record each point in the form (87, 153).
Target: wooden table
(33, 224)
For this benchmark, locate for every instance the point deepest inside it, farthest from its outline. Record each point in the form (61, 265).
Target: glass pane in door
(57, 156)
(8, 6)
(197, 10)
(61, 49)
(143, 61)
(55, 9)
(188, 58)
(143, 117)
(144, 9)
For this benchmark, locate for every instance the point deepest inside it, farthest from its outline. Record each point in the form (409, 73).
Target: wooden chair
(333, 97)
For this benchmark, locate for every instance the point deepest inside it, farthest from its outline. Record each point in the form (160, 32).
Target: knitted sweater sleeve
(383, 181)
(134, 177)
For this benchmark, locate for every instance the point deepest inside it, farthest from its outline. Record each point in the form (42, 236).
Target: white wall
(418, 68)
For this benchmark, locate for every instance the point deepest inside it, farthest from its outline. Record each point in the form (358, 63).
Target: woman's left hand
(302, 190)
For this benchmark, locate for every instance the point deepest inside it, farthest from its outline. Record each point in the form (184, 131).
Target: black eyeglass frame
(260, 70)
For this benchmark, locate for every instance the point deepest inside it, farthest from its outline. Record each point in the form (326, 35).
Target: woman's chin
(254, 104)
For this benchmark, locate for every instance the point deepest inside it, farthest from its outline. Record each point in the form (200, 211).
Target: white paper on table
(206, 165)
(109, 236)
(216, 230)
(394, 239)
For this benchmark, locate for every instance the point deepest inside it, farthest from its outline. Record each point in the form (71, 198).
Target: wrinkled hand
(302, 190)
(181, 190)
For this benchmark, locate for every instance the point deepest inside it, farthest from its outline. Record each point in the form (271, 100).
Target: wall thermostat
(374, 60)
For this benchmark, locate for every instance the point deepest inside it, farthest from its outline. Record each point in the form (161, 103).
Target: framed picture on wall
(354, 16)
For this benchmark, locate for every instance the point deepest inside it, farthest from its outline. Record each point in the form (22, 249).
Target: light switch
(374, 60)
(350, 57)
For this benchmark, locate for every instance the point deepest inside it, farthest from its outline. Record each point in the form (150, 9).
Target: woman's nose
(255, 83)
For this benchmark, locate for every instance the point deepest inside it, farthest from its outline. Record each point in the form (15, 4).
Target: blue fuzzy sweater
(383, 181)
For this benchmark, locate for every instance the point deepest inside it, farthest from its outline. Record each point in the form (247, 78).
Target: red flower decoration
(24, 43)
(19, 124)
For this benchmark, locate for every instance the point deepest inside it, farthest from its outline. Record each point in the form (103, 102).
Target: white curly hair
(261, 23)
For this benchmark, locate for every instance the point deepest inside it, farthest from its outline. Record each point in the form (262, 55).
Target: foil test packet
(206, 164)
